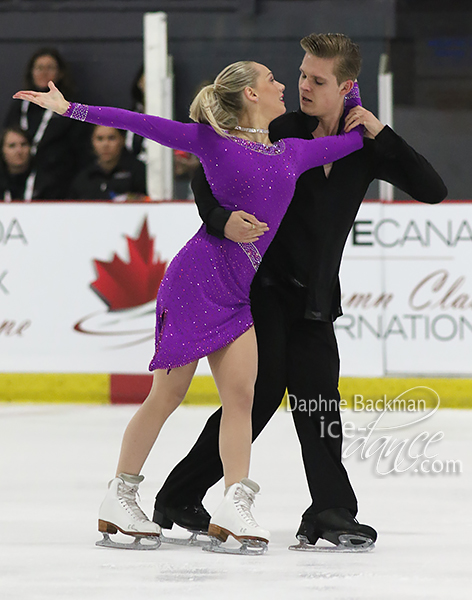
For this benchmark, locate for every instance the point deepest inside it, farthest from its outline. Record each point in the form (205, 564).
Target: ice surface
(55, 461)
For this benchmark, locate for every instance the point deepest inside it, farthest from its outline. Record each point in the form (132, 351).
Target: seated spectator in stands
(58, 145)
(115, 175)
(133, 142)
(19, 178)
(184, 162)
(184, 168)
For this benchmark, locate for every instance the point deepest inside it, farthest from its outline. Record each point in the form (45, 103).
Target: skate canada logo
(390, 233)
(11, 233)
(128, 289)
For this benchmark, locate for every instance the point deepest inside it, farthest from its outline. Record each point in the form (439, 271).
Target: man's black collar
(312, 122)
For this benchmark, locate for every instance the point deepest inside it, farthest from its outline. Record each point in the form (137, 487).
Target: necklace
(251, 129)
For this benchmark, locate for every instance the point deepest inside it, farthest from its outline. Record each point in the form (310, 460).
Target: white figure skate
(233, 517)
(120, 511)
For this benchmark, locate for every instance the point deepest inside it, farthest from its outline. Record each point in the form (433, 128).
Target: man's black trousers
(299, 355)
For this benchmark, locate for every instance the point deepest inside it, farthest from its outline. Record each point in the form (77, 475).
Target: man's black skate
(194, 518)
(338, 526)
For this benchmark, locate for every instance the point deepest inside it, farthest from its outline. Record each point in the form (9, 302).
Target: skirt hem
(198, 355)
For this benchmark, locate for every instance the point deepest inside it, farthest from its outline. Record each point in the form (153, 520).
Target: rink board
(132, 389)
(70, 303)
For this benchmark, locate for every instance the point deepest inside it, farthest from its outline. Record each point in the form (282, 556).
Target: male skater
(296, 296)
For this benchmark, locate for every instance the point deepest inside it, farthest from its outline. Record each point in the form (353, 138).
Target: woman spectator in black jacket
(58, 145)
(19, 177)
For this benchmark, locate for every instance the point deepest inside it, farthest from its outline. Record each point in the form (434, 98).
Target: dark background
(429, 42)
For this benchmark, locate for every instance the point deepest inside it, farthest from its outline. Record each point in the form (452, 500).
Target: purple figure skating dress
(203, 300)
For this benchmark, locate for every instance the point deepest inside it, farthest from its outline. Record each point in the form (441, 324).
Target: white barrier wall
(406, 281)
(52, 320)
(77, 296)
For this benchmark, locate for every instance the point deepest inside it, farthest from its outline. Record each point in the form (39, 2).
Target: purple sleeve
(190, 137)
(352, 99)
(324, 150)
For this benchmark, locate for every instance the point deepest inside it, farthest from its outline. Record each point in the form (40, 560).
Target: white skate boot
(119, 511)
(233, 517)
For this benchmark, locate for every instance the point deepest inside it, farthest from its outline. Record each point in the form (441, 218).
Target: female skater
(203, 304)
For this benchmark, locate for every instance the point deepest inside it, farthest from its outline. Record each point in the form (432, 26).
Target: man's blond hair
(339, 46)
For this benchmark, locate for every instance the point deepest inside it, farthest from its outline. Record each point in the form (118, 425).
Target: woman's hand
(52, 100)
(361, 116)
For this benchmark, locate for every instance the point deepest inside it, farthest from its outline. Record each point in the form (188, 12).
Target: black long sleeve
(212, 214)
(400, 165)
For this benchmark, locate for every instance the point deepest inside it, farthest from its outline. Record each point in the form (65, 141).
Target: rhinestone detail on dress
(252, 253)
(277, 148)
(77, 111)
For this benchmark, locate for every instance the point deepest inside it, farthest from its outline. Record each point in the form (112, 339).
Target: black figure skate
(338, 526)
(194, 518)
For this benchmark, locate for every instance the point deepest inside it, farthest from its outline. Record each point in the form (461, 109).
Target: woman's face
(16, 151)
(270, 93)
(44, 70)
(107, 143)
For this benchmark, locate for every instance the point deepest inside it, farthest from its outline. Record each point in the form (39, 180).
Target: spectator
(135, 143)
(115, 174)
(57, 145)
(19, 179)
(185, 164)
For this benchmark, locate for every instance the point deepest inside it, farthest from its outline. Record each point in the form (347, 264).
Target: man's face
(320, 94)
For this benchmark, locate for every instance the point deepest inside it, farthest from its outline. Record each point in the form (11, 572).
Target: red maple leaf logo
(128, 284)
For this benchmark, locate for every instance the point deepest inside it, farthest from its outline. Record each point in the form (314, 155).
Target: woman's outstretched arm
(181, 136)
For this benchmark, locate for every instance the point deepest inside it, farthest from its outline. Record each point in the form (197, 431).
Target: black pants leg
(189, 481)
(313, 375)
(302, 356)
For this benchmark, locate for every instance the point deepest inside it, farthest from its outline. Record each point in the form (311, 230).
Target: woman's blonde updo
(221, 103)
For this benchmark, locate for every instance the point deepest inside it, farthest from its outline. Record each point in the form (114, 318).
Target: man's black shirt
(308, 247)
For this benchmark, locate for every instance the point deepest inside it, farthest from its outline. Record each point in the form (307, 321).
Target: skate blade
(151, 543)
(347, 544)
(191, 541)
(249, 547)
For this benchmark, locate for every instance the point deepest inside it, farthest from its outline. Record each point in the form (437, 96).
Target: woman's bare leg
(234, 369)
(167, 392)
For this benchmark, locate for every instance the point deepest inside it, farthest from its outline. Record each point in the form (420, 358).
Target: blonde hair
(339, 46)
(221, 103)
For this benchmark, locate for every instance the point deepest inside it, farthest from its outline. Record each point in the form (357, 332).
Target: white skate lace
(127, 497)
(244, 500)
